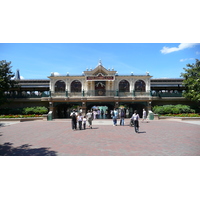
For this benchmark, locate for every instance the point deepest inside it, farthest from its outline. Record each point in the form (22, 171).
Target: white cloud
(181, 46)
(183, 60)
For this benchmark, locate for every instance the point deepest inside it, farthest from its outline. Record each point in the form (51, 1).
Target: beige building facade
(99, 87)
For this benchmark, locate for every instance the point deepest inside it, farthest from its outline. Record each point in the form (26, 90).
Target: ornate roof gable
(100, 71)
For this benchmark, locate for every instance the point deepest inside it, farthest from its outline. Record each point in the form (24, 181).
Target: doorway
(63, 110)
(104, 109)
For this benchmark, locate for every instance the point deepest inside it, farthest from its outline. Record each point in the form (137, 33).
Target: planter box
(181, 118)
(21, 119)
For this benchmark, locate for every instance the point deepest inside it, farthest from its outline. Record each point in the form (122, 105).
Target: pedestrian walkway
(56, 138)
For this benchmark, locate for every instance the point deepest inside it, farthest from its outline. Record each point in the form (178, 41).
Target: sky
(38, 60)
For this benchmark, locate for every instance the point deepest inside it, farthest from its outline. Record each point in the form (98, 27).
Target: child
(84, 122)
(80, 119)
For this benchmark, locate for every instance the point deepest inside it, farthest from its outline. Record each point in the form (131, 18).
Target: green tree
(6, 80)
(192, 81)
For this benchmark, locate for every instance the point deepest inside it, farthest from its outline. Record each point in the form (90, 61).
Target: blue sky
(38, 60)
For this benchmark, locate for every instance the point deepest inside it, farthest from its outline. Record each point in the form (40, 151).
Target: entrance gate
(104, 108)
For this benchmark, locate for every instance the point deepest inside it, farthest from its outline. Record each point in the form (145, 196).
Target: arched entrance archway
(105, 106)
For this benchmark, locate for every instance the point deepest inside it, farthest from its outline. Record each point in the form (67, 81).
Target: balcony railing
(99, 93)
(89, 93)
(167, 94)
(27, 94)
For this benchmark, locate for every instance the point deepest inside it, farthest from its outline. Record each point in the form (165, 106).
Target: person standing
(144, 116)
(98, 114)
(106, 114)
(73, 115)
(114, 116)
(89, 118)
(80, 119)
(127, 113)
(94, 114)
(102, 113)
(122, 116)
(135, 117)
(84, 122)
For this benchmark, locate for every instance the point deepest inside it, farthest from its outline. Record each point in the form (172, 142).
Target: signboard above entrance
(100, 77)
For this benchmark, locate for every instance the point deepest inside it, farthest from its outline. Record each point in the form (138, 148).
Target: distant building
(17, 75)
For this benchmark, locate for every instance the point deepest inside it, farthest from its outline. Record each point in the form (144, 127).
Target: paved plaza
(56, 138)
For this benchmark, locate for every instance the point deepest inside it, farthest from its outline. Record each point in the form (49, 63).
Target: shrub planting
(35, 110)
(172, 109)
(40, 110)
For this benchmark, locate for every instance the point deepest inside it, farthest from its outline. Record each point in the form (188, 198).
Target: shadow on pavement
(8, 150)
(142, 132)
(2, 124)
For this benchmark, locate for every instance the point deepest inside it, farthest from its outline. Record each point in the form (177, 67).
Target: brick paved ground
(157, 138)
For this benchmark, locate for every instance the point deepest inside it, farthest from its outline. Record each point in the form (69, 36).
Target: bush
(183, 115)
(21, 111)
(172, 109)
(35, 110)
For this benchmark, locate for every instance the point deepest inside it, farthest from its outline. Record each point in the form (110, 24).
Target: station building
(97, 88)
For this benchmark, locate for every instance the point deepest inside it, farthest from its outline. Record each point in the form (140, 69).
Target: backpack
(90, 116)
(74, 116)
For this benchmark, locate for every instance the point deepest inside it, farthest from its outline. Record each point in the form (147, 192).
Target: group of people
(134, 119)
(78, 118)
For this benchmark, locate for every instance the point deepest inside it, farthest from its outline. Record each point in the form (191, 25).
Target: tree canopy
(6, 79)
(192, 81)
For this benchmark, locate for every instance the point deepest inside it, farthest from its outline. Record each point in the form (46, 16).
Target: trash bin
(49, 116)
(151, 115)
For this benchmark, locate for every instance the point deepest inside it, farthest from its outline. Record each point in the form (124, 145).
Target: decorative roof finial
(100, 63)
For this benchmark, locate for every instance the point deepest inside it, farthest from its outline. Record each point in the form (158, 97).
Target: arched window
(124, 86)
(60, 86)
(76, 86)
(140, 86)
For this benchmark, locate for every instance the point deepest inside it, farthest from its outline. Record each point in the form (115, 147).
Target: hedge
(40, 110)
(172, 109)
